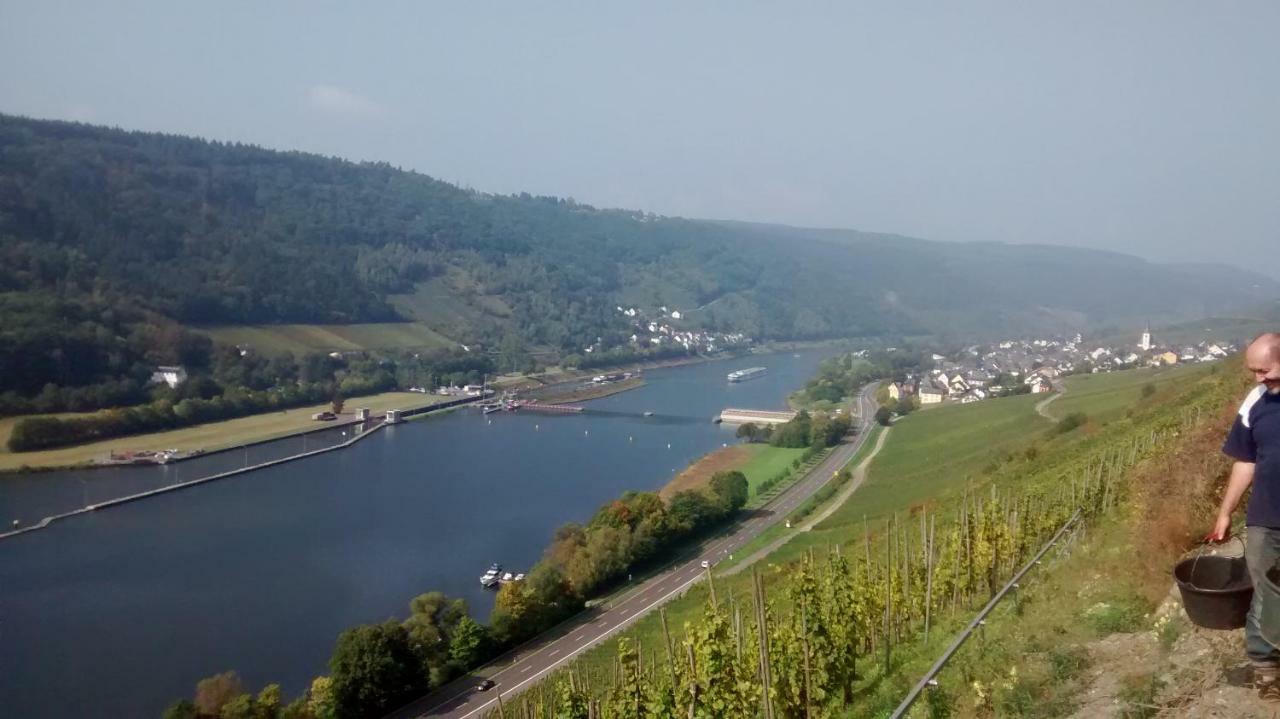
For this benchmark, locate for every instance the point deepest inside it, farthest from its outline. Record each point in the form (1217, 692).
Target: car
(705, 564)
(486, 685)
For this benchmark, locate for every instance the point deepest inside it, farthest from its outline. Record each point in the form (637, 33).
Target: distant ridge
(216, 233)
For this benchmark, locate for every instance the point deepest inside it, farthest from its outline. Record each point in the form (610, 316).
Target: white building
(172, 376)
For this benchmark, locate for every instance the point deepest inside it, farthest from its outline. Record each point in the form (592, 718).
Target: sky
(1151, 128)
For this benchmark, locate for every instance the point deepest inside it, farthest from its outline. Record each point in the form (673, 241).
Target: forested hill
(213, 233)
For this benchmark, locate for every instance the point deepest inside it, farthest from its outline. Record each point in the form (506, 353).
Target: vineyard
(826, 635)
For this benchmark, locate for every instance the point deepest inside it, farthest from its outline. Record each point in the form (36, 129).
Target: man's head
(1263, 360)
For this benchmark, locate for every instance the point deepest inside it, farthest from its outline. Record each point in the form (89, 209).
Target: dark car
(485, 685)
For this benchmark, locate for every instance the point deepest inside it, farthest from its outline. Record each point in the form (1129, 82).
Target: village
(1036, 366)
(658, 331)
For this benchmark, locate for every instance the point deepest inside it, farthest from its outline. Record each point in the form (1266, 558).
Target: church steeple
(1145, 344)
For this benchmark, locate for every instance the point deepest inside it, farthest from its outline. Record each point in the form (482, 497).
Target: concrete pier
(755, 416)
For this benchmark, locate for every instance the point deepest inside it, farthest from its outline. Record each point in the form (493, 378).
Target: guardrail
(929, 679)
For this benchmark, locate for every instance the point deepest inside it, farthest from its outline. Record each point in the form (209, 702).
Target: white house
(929, 395)
(675, 314)
(172, 376)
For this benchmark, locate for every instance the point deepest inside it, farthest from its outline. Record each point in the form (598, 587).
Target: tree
(432, 620)
(690, 511)
(337, 404)
(267, 705)
(470, 644)
(212, 693)
(374, 669)
(320, 703)
(240, 707)
(884, 417)
(181, 709)
(748, 431)
(730, 490)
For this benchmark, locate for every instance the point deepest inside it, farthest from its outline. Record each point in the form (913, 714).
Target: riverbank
(209, 437)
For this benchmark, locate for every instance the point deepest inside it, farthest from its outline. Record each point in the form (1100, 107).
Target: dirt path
(1042, 407)
(698, 474)
(859, 475)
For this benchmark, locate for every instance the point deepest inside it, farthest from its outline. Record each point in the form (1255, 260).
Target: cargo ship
(743, 375)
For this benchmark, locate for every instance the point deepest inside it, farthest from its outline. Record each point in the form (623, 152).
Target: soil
(1203, 675)
(698, 474)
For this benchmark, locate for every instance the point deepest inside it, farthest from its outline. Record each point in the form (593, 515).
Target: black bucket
(1216, 591)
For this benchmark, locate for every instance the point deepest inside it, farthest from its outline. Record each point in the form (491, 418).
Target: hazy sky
(1146, 127)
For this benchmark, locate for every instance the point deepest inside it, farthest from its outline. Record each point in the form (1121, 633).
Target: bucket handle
(1204, 544)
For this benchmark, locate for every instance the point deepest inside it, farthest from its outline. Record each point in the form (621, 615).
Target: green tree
(470, 644)
(748, 431)
(268, 703)
(431, 623)
(884, 417)
(320, 699)
(240, 707)
(730, 490)
(374, 669)
(181, 709)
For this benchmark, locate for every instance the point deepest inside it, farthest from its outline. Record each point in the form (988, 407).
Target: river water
(119, 612)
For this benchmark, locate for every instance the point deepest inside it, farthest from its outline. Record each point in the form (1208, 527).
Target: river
(119, 612)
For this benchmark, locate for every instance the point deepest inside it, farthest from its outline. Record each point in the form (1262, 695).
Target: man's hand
(1220, 529)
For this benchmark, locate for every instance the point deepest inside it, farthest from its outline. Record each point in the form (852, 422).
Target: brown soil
(698, 474)
(1204, 675)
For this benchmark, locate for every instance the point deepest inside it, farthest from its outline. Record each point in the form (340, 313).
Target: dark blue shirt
(1255, 437)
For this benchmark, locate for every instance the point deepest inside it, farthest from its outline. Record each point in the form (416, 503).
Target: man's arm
(1241, 478)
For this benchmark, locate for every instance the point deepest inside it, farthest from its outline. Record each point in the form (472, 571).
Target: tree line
(230, 383)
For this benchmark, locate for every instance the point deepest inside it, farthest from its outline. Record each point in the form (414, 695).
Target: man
(1254, 444)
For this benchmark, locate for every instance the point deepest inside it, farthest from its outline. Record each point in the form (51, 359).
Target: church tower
(1145, 344)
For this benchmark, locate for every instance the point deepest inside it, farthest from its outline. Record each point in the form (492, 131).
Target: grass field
(932, 451)
(1106, 396)
(210, 436)
(766, 462)
(302, 339)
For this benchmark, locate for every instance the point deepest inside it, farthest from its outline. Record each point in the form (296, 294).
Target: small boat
(519, 577)
(648, 414)
(508, 577)
(491, 577)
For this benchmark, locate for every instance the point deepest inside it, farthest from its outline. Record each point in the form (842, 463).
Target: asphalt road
(520, 668)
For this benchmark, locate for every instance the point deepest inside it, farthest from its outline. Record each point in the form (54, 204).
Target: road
(520, 668)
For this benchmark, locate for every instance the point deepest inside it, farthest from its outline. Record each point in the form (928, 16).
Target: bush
(1124, 614)
(1070, 422)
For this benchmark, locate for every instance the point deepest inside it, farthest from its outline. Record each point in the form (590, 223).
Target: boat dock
(755, 416)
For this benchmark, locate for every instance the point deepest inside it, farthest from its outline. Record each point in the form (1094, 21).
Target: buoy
(535, 427)
(631, 439)
(668, 445)
(585, 432)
